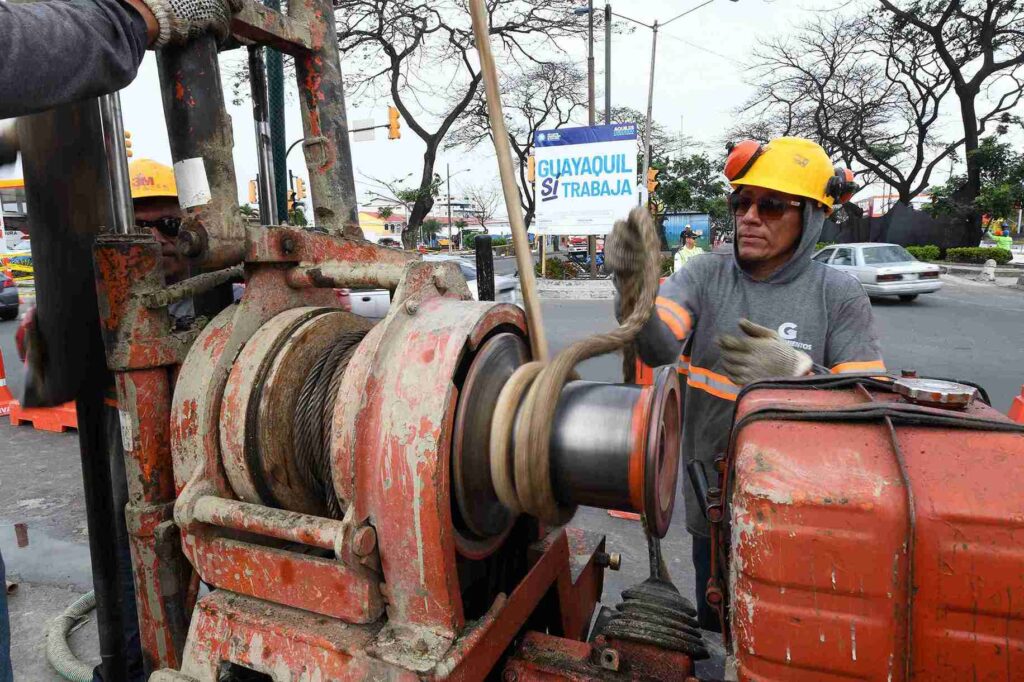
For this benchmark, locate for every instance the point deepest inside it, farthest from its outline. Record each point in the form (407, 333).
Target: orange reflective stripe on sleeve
(674, 316)
(717, 385)
(865, 366)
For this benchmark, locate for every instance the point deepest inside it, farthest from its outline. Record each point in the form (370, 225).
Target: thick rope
(632, 252)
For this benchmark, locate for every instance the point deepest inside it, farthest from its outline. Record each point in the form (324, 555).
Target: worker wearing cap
(60, 52)
(688, 250)
(764, 310)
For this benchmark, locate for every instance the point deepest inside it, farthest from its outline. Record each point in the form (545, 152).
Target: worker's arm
(53, 53)
(59, 52)
(852, 344)
(675, 313)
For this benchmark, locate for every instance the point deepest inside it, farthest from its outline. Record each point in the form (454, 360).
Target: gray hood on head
(813, 218)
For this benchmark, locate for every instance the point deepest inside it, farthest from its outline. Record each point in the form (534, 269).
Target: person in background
(155, 197)
(688, 250)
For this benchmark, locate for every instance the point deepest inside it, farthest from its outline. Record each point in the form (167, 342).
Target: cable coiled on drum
(314, 412)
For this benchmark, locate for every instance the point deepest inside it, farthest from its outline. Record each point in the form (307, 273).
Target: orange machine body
(875, 549)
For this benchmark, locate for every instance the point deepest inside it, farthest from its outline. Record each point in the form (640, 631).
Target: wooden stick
(524, 257)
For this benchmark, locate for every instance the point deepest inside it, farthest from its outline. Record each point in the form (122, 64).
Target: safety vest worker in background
(688, 250)
(1001, 236)
(764, 310)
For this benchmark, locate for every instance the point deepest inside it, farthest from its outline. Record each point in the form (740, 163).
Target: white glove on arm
(180, 20)
(760, 354)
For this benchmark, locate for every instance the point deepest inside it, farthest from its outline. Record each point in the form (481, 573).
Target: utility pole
(591, 116)
(650, 102)
(448, 168)
(607, 64)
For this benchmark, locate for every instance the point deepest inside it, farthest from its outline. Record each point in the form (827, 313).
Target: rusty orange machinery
(874, 531)
(333, 480)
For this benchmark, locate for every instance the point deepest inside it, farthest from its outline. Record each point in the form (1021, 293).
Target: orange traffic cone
(6, 399)
(1017, 407)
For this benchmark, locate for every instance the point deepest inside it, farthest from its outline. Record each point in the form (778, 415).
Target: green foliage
(692, 183)
(821, 245)
(431, 228)
(297, 217)
(1002, 183)
(385, 212)
(978, 254)
(556, 269)
(928, 252)
(667, 264)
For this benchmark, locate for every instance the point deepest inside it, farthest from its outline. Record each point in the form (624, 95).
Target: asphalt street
(968, 330)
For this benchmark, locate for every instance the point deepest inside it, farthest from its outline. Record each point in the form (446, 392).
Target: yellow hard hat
(151, 179)
(793, 165)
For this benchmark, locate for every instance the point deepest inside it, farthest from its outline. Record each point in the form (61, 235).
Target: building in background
(877, 205)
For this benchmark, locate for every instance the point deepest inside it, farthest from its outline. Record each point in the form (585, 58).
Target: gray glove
(624, 251)
(180, 20)
(760, 354)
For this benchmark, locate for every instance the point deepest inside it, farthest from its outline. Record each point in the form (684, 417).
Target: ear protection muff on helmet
(741, 157)
(841, 186)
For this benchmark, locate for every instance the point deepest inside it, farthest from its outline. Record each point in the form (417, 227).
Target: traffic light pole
(591, 116)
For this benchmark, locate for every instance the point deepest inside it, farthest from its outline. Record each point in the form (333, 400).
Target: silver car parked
(883, 269)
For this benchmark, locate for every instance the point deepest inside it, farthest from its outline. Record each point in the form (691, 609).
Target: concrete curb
(1001, 271)
(576, 289)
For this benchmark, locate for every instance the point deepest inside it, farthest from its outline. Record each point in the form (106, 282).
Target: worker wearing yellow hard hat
(766, 309)
(155, 197)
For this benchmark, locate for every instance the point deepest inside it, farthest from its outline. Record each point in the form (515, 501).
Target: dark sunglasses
(767, 207)
(168, 227)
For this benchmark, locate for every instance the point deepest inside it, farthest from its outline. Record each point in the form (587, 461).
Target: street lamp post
(448, 171)
(607, 63)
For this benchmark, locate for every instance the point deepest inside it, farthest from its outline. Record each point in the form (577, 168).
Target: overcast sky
(699, 81)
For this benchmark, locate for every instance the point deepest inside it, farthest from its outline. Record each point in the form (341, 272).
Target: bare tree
(543, 97)
(484, 201)
(421, 53)
(980, 44)
(871, 98)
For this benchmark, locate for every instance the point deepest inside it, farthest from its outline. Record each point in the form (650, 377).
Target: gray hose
(58, 653)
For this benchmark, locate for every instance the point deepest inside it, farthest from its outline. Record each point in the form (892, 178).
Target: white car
(883, 269)
(375, 302)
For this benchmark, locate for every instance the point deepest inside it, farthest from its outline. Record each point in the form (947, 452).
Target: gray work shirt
(62, 51)
(822, 311)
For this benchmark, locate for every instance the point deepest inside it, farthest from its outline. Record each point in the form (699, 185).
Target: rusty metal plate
(258, 409)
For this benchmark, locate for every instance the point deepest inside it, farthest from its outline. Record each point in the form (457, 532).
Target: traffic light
(652, 183)
(300, 188)
(128, 144)
(531, 169)
(253, 196)
(394, 124)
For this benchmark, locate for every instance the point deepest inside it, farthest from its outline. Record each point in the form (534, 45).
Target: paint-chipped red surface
(829, 580)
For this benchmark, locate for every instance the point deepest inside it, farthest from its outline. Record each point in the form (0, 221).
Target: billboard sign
(586, 178)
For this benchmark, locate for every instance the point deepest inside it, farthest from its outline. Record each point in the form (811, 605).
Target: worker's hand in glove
(627, 251)
(760, 354)
(179, 20)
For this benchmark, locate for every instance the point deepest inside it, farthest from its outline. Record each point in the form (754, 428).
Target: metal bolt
(612, 560)
(287, 244)
(509, 676)
(411, 306)
(609, 659)
(364, 541)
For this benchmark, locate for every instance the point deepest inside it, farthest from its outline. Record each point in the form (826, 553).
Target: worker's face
(690, 242)
(766, 237)
(164, 210)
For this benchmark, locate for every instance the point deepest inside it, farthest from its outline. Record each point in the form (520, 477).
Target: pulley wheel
(486, 520)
